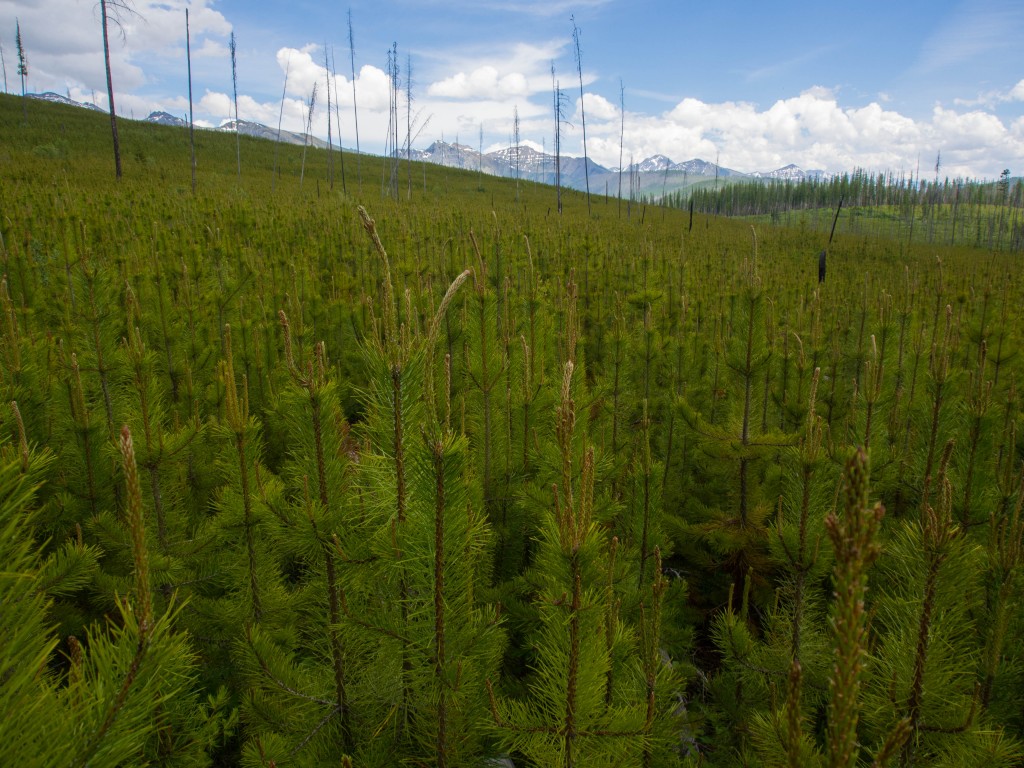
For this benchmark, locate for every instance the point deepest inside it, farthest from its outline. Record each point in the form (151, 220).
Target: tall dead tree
(3, 63)
(234, 88)
(583, 114)
(515, 136)
(559, 108)
(480, 157)
(330, 136)
(622, 135)
(355, 107)
(337, 121)
(280, 118)
(191, 120)
(109, 12)
(408, 121)
(389, 185)
(308, 136)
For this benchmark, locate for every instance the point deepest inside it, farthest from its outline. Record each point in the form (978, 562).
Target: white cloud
(372, 86)
(812, 130)
(64, 43)
(598, 107)
(990, 99)
(482, 83)
(464, 88)
(509, 72)
(217, 104)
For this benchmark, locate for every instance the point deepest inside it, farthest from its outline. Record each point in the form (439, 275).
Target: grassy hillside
(463, 478)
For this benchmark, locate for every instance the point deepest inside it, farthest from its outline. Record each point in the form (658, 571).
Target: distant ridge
(261, 131)
(657, 174)
(164, 118)
(56, 98)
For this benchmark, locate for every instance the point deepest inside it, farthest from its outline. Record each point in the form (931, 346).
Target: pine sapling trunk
(748, 383)
(440, 661)
(400, 513)
(645, 470)
(853, 537)
(936, 534)
(237, 417)
(333, 602)
(569, 732)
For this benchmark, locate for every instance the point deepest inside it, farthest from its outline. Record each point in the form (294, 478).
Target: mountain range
(654, 176)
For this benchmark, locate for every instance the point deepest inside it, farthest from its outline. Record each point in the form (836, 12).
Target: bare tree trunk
(280, 117)
(583, 114)
(337, 121)
(191, 121)
(392, 142)
(330, 136)
(110, 89)
(306, 139)
(557, 96)
(234, 87)
(408, 121)
(515, 128)
(480, 157)
(622, 136)
(355, 108)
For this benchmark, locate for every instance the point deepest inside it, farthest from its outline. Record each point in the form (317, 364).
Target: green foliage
(562, 488)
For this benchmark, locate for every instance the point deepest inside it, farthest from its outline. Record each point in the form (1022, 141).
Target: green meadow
(338, 460)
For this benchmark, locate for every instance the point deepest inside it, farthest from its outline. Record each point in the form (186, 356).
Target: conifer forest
(318, 462)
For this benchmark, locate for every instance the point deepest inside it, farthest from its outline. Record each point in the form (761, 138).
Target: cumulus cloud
(303, 70)
(482, 83)
(65, 45)
(505, 73)
(990, 99)
(598, 107)
(466, 88)
(812, 130)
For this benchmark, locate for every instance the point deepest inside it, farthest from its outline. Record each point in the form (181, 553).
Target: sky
(888, 86)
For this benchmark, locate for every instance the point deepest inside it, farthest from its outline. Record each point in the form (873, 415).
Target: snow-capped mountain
(657, 175)
(532, 165)
(653, 164)
(165, 118)
(790, 173)
(56, 98)
(261, 131)
(695, 167)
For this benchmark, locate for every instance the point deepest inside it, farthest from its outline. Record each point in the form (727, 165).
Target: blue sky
(879, 85)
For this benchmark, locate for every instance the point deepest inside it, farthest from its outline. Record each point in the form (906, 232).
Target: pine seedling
(937, 532)
(854, 539)
(454, 641)
(1005, 558)
(425, 543)
(939, 372)
(978, 401)
(872, 387)
(737, 534)
(567, 720)
(928, 590)
(328, 469)
(236, 413)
